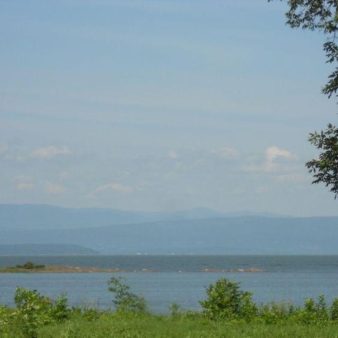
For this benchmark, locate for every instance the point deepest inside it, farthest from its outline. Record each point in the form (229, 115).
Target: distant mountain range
(44, 249)
(197, 231)
(32, 216)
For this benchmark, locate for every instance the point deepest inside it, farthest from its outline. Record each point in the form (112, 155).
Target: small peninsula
(30, 267)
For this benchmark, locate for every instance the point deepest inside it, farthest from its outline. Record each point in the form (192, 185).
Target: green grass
(128, 325)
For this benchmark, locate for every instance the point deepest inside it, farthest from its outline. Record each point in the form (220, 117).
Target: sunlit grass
(166, 326)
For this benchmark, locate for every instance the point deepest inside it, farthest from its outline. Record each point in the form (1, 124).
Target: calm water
(179, 278)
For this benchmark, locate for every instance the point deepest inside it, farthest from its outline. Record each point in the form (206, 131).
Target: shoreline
(79, 269)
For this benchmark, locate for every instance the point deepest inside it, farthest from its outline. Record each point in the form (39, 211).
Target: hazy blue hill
(43, 249)
(45, 216)
(196, 213)
(237, 235)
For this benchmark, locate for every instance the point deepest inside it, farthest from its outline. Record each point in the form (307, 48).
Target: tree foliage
(225, 300)
(325, 168)
(34, 310)
(125, 300)
(321, 15)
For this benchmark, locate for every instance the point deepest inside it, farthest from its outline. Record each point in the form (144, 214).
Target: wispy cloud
(114, 187)
(24, 186)
(54, 188)
(275, 159)
(273, 154)
(23, 182)
(226, 152)
(50, 152)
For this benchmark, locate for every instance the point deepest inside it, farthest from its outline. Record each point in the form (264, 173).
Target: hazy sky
(160, 105)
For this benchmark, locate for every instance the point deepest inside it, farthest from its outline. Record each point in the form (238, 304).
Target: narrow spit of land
(30, 267)
(56, 269)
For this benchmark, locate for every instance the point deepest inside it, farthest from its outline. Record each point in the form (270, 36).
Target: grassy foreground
(131, 325)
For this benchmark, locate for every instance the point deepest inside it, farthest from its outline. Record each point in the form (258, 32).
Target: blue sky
(160, 105)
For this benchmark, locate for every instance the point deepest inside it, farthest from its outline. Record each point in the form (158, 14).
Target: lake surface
(178, 279)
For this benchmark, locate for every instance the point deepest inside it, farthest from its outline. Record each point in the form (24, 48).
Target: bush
(5, 317)
(321, 309)
(90, 314)
(175, 310)
(125, 300)
(34, 311)
(226, 301)
(60, 310)
(334, 309)
(276, 312)
(313, 312)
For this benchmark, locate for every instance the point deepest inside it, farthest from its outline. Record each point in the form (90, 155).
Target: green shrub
(275, 312)
(321, 309)
(33, 311)
(60, 310)
(91, 314)
(307, 314)
(334, 309)
(125, 300)
(313, 312)
(5, 316)
(248, 309)
(225, 300)
(175, 310)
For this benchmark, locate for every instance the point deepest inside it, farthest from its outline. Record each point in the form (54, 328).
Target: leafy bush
(5, 316)
(226, 301)
(91, 314)
(60, 310)
(248, 309)
(125, 300)
(334, 309)
(321, 309)
(313, 312)
(275, 312)
(175, 310)
(34, 311)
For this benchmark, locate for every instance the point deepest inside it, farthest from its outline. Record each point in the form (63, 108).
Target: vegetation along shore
(226, 311)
